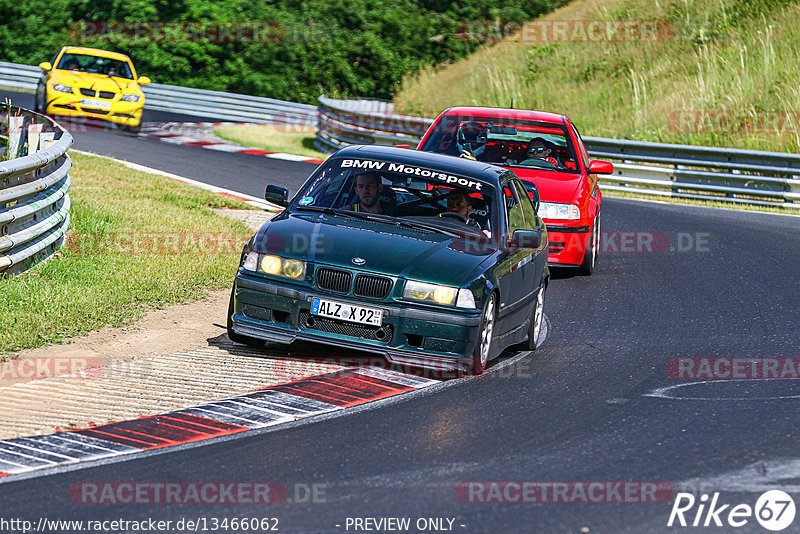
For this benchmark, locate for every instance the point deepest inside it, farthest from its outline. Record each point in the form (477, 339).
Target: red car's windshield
(506, 142)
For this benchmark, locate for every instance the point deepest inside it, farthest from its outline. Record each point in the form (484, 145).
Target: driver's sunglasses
(537, 150)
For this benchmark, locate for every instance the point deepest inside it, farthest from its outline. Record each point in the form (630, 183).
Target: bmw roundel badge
(359, 261)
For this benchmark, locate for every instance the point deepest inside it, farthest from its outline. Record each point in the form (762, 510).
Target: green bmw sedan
(425, 259)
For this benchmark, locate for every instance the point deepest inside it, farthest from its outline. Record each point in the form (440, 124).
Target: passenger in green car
(459, 202)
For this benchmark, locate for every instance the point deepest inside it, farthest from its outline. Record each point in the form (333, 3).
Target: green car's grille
(367, 285)
(375, 287)
(334, 280)
(314, 322)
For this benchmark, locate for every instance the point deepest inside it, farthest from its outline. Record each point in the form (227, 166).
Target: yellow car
(87, 82)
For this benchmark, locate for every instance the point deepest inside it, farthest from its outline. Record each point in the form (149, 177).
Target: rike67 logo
(774, 510)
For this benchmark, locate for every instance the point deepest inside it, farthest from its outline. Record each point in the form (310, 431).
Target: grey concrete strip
(153, 385)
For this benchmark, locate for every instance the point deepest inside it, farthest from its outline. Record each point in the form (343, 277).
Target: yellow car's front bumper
(72, 105)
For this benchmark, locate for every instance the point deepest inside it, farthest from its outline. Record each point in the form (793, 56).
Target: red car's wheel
(592, 249)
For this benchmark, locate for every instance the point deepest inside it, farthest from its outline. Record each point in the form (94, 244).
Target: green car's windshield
(504, 141)
(95, 65)
(407, 194)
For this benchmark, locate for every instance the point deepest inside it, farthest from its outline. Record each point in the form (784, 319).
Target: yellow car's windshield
(95, 65)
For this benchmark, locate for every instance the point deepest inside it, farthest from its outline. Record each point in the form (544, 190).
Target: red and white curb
(247, 199)
(159, 132)
(266, 407)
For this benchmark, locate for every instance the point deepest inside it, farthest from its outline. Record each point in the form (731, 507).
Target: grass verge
(727, 75)
(136, 242)
(293, 139)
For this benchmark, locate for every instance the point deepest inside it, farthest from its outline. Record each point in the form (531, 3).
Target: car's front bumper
(277, 312)
(568, 242)
(69, 105)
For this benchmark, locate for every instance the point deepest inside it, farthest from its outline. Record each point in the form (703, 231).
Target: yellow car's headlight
(61, 88)
(275, 265)
(129, 98)
(436, 294)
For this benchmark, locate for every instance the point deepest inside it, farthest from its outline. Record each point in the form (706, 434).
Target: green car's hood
(385, 248)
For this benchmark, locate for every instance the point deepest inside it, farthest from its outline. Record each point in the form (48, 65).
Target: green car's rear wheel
(480, 356)
(536, 323)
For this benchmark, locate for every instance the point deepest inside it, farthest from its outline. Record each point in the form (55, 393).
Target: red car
(544, 149)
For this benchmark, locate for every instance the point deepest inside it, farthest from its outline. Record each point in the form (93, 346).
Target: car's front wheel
(238, 338)
(592, 249)
(480, 356)
(134, 129)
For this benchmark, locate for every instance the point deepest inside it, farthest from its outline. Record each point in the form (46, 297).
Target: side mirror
(533, 193)
(277, 195)
(46, 66)
(526, 238)
(143, 80)
(597, 166)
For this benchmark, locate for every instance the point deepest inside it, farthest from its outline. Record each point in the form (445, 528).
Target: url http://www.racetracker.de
(124, 526)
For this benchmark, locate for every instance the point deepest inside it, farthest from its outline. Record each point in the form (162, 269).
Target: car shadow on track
(306, 354)
(564, 273)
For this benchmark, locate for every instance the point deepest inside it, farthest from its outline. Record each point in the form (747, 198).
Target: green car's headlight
(275, 265)
(60, 87)
(436, 294)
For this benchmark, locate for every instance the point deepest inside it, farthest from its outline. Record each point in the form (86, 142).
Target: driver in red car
(538, 149)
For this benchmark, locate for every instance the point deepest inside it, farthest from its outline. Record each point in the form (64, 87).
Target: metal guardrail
(683, 171)
(198, 102)
(34, 199)
(354, 122)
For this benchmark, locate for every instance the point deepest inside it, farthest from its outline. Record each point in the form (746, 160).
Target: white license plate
(92, 103)
(346, 312)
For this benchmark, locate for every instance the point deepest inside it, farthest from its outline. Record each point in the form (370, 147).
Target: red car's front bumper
(568, 241)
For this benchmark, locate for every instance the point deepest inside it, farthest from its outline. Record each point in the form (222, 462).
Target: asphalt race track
(241, 172)
(597, 402)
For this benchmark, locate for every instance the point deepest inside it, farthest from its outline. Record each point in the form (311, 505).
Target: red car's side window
(584, 155)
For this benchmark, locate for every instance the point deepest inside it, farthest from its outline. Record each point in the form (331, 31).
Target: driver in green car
(368, 187)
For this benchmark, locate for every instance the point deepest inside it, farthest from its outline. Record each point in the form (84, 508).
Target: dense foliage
(345, 47)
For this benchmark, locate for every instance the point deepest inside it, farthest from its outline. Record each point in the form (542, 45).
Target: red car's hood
(553, 186)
